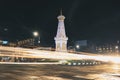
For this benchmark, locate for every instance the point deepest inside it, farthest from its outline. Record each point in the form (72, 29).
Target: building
(61, 39)
(104, 47)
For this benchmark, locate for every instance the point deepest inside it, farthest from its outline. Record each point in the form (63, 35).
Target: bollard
(74, 64)
(87, 63)
(69, 64)
(79, 63)
(83, 63)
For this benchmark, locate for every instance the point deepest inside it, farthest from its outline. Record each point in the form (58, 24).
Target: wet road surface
(59, 72)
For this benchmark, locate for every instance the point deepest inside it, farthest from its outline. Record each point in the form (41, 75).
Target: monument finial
(61, 11)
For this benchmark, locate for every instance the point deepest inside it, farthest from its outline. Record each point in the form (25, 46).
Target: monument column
(61, 39)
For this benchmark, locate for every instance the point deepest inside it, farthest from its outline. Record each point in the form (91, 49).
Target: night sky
(85, 19)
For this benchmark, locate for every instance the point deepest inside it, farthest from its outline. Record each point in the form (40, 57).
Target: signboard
(4, 42)
(82, 42)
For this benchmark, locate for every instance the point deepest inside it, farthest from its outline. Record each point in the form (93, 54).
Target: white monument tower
(61, 39)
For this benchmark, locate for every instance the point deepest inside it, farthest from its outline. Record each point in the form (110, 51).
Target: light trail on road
(33, 53)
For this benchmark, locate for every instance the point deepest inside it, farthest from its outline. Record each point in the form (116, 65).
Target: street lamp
(116, 48)
(77, 46)
(36, 34)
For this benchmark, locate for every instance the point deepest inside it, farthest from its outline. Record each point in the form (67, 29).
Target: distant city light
(5, 29)
(39, 41)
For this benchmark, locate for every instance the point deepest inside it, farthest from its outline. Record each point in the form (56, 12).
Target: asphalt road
(59, 72)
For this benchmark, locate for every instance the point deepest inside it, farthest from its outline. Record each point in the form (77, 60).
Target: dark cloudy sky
(85, 19)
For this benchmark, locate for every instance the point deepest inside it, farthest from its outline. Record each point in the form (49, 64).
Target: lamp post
(77, 47)
(36, 35)
(116, 48)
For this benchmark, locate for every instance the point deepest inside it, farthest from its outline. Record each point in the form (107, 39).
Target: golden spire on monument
(61, 17)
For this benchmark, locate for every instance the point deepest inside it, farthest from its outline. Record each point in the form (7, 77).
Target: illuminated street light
(116, 47)
(35, 33)
(77, 46)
